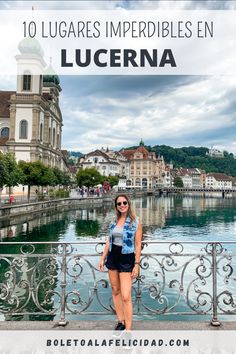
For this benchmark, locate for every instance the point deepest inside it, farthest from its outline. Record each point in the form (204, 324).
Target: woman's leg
(126, 294)
(116, 294)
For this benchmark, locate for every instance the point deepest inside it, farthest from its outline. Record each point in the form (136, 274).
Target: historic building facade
(136, 168)
(30, 117)
(218, 181)
(145, 169)
(104, 164)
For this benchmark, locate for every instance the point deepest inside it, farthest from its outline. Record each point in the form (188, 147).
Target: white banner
(121, 41)
(64, 341)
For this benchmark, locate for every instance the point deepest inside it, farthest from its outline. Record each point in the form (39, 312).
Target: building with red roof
(145, 169)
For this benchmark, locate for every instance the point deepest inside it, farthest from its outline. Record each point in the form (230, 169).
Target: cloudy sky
(117, 111)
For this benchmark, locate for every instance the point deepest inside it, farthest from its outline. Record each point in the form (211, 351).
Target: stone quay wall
(9, 211)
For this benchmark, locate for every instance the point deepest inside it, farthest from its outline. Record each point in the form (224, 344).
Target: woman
(122, 250)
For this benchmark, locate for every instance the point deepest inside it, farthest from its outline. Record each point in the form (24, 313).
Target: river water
(170, 219)
(167, 218)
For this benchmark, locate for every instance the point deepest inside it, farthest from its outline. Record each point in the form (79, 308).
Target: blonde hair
(130, 213)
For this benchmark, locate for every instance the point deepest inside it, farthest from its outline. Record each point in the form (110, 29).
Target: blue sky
(117, 111)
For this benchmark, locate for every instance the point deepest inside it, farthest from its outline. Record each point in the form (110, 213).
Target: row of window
(23, 132)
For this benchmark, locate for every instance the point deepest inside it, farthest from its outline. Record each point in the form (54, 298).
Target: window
(58, 141)
(41, 132)
(26, 81)
(49, 135)
(5, 132)
(23, 129)
(40, 83)
(138, 182)
(144, 182)
(53, 137)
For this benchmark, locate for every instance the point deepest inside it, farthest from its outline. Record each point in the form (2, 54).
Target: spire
(141, 142)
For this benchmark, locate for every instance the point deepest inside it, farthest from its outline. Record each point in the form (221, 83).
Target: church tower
(35, 116)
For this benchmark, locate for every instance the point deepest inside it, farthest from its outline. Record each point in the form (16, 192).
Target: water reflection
(162, 218)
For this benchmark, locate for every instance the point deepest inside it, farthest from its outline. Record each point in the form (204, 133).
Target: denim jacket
(128, 235)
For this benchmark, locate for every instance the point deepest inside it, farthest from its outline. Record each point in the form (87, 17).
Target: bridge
(203, 190)
(60, 281)
(170, 190)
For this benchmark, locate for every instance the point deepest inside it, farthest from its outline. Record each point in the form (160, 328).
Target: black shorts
(119, 261)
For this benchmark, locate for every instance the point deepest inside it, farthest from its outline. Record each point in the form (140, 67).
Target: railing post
(214, 321)
(62, 321)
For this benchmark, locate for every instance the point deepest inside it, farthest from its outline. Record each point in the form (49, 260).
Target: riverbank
(34, 208)
(10, 211)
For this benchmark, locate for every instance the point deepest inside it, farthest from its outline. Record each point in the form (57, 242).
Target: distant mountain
(75, 153)
(192, 156)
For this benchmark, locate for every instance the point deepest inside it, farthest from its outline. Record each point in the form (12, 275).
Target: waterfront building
(146, 170)
(123, 169)
(186, 177)
(167, 179)
(104, 164)
(218, 181)
(233, 183)
(191, 177)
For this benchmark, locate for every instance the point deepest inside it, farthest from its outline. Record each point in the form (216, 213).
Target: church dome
(50, 76)
(30, 46)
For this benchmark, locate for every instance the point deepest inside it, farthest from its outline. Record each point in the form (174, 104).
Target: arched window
(26, 81)
(41, 132)
(23, 129)
(5, 132)
(144, 182)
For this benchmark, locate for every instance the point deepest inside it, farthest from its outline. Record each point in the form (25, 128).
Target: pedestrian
(82, 192)
(121, 256)
(11, 199)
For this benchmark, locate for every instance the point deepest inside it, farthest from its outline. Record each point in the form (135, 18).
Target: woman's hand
(101, 265)
(135, 271)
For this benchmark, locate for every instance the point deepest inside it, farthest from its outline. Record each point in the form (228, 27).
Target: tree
(14, 175)
(88, 177)
(3, 171)
(3, 174)
(37, 174)
(178, 182)
(66, 180)
(113, 180)
(48, 177)
(62, 177)
(31, 174)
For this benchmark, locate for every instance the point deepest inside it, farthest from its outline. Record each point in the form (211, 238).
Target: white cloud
(194, 113)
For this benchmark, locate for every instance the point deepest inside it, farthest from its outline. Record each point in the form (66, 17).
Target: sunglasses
(120, 203)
